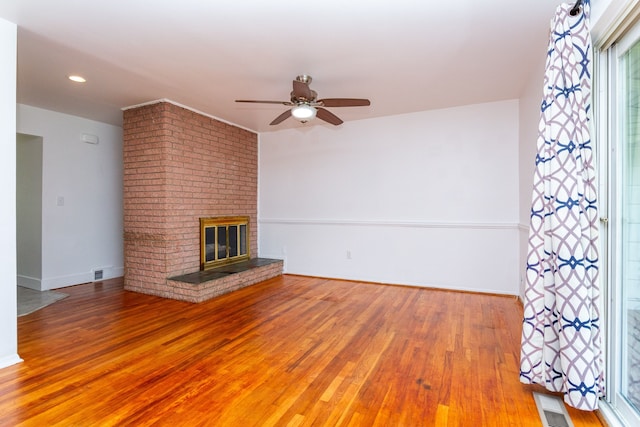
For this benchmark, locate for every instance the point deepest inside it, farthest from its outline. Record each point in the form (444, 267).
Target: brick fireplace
(180, 166)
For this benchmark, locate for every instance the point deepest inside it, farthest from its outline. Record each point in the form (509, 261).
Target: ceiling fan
(306, 106)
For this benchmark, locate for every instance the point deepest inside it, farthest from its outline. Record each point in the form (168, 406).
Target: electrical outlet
(348, 254)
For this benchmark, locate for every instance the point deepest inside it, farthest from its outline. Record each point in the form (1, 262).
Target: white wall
(530, 102)
(82, 212)
(426, 199)
(29, 210)
(8, 313)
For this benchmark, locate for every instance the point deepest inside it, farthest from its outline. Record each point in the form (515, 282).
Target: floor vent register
(552, 411)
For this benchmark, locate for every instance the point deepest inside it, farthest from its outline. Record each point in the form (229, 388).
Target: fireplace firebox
(223, 240)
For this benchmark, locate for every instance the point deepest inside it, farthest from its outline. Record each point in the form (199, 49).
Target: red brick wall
(179, 166)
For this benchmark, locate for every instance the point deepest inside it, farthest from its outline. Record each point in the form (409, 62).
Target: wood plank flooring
(291, 351)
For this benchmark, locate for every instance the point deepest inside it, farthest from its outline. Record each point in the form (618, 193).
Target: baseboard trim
(79, 278)
(10, 360)
(29, 282)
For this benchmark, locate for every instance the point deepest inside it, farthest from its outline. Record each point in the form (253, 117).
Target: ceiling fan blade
(265, 102)
(301, 90)
(328, 116)
(281, 118)
(344, 102)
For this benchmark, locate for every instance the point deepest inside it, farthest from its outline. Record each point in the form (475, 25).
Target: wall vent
(552, 411)
(97, 274)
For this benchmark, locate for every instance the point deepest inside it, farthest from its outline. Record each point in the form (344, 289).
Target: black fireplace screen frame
(223, 240)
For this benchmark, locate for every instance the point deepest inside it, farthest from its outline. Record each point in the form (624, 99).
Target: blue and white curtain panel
(561, 335)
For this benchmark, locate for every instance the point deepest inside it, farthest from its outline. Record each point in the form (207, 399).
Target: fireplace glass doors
(223, 240)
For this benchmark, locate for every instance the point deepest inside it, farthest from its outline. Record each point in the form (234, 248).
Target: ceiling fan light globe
(303, 112)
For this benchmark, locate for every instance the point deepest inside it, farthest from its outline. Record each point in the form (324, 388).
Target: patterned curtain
(561, 347)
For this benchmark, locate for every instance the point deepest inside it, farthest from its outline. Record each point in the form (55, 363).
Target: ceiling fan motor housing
(302, 100)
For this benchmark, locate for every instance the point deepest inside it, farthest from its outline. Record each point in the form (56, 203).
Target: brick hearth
(203, 285)
(179, 166)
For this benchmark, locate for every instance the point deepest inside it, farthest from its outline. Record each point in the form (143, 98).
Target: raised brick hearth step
(203, 285)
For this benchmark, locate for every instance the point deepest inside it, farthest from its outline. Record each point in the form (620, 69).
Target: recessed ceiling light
(77, 79)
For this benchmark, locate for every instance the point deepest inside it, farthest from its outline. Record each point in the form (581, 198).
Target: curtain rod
(576, 8)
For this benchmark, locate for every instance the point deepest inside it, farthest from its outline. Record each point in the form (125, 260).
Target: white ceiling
(404, 55)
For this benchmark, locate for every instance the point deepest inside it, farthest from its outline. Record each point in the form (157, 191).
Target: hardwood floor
(290, 351)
